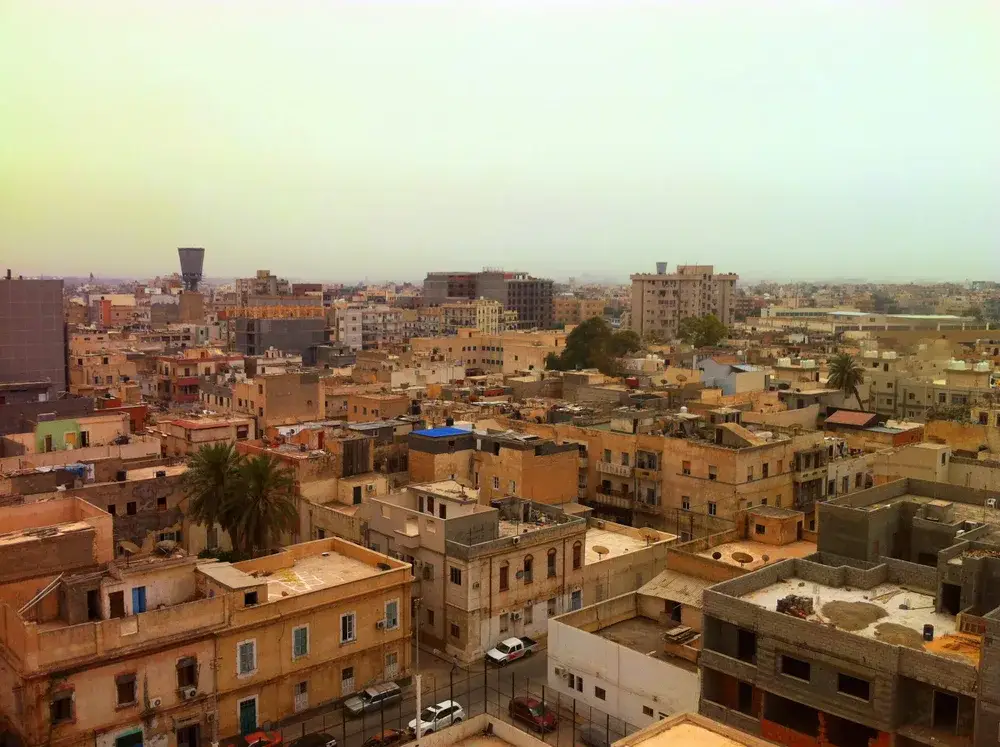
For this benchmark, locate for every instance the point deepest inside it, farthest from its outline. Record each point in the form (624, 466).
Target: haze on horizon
(346, 140)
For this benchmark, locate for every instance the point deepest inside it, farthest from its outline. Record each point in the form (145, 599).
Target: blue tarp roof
(443, 432)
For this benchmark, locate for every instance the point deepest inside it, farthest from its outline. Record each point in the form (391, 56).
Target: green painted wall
(58, 430)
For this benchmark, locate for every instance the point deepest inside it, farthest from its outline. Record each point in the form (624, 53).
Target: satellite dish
(601, 551)
(742, 557)
(765, 557)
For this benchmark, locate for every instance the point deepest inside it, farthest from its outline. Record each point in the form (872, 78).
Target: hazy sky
(344, 140)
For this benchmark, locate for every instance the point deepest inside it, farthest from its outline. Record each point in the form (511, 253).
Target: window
(430, 504)
(504, 622)
(246, 657)
(711, 508)
(61, 707)
(112, 509)
(764, 469)
(430, 617)
(442, 511)
(550, 607)
(853, 686)
(504, 577)
(300, 641)
(749, 474)
(250, 599)
(456, 575)
(858, 479)
(392, 614)
(513, 487)
(456, 632)
(685, 503)
(713, 472)
(686, 468)
(130, 508)
(795, 667)
(647, 711)
(759, 529)
(529, 614)
(551, 563)
(347, 627)
(496, 483)
(781, 467)
(625, 459)
(577, 555)
(161, 504)
(125, 689)
(529, 565)
(187, 672)
(599, 693)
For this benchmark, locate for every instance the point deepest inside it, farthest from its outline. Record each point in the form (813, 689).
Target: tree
(976, 312)
(594, 344)
(846, 374)
(212, 477)
(703, 331)
(263, 506)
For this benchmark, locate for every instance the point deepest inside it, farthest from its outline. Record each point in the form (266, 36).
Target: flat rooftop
(20, 536)
(317, 572)
(617, 543)
(888, 612)
(729, 552)
(149, 473)
(448, 489)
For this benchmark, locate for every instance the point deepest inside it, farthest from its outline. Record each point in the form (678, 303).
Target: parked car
(373, 699)
(534, 713)
(510, 650)
(385, 738)
(263, 739)
(436, 717)
(319, 739)
(594, 736)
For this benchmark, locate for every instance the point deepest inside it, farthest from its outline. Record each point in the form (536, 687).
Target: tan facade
(183, 437)
(205, 649)
(280, 399)
(365, 407)
(507, 353)
(91, 372)
(540, 477)
(572, 310)
(660, 301)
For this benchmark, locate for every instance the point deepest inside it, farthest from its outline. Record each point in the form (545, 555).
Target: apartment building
(262, 284)
(280, 399)
(884, 637)
(661, 300)
(66, 434)
(178, 652)
(182, 437)
(32, 340)
(497, 464)
(530, 297)
(507, 353)
(567, 310)
(368, 326)
(97, 373)
(177, 376)
(483, 314)
(901, 388)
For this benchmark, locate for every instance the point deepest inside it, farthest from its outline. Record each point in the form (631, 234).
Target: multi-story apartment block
(32, 340)
(887, 636)
(530, 297)
(902, 388)
(508, 352)
(574, 310)
(262, 284)
(176, 651)
(661, 300)
(98, 372)
(499, 465)
(182, 437)
(177, 376)
(368, 327)
(280, 399)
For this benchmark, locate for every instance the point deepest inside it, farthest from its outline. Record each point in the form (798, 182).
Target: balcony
(647, 473)
(618, 470)
(618, 499)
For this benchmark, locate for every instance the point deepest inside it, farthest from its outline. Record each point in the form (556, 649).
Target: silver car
(373, 699)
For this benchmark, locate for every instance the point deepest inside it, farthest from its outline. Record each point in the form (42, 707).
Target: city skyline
(383, 140)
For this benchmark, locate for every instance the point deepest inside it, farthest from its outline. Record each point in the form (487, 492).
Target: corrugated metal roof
(851, 417)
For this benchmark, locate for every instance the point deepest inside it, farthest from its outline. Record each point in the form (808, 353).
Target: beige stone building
(97, 372)
(184, 436)
(487, 573)
(661, 300)
(508, 352)
(280, 399)
(367, 406)
(570, 310)
(177, 652)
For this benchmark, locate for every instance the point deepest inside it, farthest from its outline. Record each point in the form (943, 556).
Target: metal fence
(478, 690)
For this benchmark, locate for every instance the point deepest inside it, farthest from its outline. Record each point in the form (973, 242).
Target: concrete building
(67, 434)
(254, 336)
(367, 406)
(177, 376)
(32, 340)
(177, 652)
(884, 637)
(530, 297)
(661, 300)
(96, 373)
(182, 437)
(280, 399)
(497, 464)
(507, 353)
(262, 284)
(570, 310)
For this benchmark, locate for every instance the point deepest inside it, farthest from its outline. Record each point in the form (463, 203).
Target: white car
(436, 717)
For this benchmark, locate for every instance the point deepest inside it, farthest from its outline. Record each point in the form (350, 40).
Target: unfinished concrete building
(886, 636)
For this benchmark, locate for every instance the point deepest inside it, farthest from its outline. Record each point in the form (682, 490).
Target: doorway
(116, 599)
(94, 604)
(138, 599)
(189, 736)
(133, 739)
(951, 598)
(357, 494)
(248, 715)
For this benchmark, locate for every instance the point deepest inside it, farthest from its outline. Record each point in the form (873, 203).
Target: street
(479, 690)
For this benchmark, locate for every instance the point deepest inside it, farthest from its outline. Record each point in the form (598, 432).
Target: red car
(533, 713)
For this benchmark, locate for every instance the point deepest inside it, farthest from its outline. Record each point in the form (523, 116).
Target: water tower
(192, 261)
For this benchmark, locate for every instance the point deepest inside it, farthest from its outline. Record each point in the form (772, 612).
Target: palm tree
(263, 506)
(846, 374)
(213, 475)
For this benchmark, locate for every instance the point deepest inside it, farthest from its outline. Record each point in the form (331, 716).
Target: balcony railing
(618, 470)
(647, 473)
(617, 499)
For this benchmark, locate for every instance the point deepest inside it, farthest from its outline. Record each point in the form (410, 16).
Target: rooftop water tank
(809, 363)
(784, 362)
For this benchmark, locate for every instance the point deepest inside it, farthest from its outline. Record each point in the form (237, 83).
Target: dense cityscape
(685, 508)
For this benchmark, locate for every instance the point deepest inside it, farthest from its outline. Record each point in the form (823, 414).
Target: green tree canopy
(846, 374)
(703, 331)
(213, 476)
(594, 344)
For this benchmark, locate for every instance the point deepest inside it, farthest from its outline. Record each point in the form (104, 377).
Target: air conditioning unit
(380, 625)
(188, 692)
(155, 702)
(991, 503)
(517, 540)
(515, 615)
(560, 671)
(475, 585)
